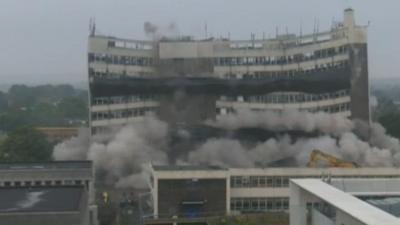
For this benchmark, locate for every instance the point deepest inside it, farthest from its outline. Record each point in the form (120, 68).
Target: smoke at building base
(122, 155)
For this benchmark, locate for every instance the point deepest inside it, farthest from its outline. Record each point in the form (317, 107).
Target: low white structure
(339, 202)
(248, 190)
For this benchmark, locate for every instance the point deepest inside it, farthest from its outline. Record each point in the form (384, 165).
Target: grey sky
(46, 40)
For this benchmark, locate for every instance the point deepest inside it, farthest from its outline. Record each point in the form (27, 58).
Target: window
(263, 204)
(285, 204)
(87, 184)
(90, 57)
(285, 182)
(238, 204)
(254, 204)
(246, 204)
(263, 181)
(278, 182)
(254, 181)
(237, 181)
(111, 44)
(245, 181)
(269, 182)
(278, 204)
(68, 182)
(269, 205)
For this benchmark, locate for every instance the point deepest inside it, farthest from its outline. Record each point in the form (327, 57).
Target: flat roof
(287, 171)
(40, 199)
(347, 203)
(390, 204)
(46, 165)
(185, 168)
(58, 128)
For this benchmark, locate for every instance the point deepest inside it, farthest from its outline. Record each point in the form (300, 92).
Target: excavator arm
(317, 156)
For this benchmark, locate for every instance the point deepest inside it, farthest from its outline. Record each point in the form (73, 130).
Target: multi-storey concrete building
(198, 191)
(322, 71)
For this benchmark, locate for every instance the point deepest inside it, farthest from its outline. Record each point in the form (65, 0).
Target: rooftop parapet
(339, 30)
(47, 165)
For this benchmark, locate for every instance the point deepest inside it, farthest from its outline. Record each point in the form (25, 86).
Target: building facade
(210, 191)
(59, 134)
(322, 71)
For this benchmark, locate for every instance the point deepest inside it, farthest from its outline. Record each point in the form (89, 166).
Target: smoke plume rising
(123, 156)
(156, 32)
(74, 148)
(150, 29)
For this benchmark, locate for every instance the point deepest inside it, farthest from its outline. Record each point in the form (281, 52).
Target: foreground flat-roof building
(61, 173)
(368, 201)
(323, 71)
(47, 205)
(198, 191)
(55, 188)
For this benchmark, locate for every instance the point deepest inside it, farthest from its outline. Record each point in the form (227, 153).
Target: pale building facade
(323, 71)
(199, 191)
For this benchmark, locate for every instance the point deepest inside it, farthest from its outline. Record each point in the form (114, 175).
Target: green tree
(391, 122)
(73, 108)
(44, 105)
(25, 144)
(13, 119)
(3, 102)
(21, 96)
(45, 114)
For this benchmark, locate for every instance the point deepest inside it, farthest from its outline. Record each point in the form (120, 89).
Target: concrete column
(155, 196)
(92, 192)
(298, 206)
(228, 195)
(349, 20)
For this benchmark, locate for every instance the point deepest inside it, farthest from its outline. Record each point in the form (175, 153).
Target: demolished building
(172, 77)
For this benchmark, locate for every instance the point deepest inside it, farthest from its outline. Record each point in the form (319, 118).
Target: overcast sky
(44, 41)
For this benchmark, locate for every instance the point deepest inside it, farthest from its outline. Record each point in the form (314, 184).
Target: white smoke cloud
(347, 147)
(122, 157)
(379, 138)
(287, 120)
(74, 149)
(373, 101)
(222, 152)
(140, 180)
(128, 150)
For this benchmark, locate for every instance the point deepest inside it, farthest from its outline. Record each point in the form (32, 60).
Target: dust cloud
(123, 154)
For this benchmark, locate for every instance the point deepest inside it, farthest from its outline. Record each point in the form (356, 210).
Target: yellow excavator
(321, 159)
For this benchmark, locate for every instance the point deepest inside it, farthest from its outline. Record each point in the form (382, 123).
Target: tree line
(43, 105)
(22, 108)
